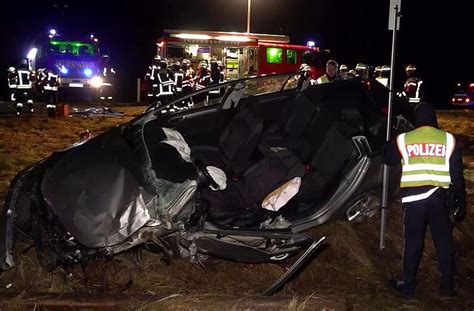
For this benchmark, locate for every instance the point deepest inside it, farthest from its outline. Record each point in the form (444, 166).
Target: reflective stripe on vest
(323, 79)
(425, 157)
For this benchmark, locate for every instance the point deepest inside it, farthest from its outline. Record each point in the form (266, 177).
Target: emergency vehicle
(243, 54)
(464, 95)
(76, 60)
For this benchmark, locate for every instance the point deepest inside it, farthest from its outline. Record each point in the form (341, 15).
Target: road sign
(395, 7)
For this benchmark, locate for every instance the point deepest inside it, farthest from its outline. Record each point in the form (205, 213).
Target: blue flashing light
(311, 44)
(88, 72)
(63, 70)
(92, 36)
(52, 32)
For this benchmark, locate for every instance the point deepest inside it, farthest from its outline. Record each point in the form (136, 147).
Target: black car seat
(325, 165)
(297, 116)
(236, 144)
(241, 201)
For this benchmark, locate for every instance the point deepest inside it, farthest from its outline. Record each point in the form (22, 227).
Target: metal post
(249, 4)
(383, 221)
(138, 89)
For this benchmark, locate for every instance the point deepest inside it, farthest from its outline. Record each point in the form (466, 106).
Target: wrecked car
(239, 171)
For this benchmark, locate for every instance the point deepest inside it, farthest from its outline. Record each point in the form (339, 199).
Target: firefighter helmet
(361, 66)
(410, 67)
(11, 69)
(157, 58)
(343, 68)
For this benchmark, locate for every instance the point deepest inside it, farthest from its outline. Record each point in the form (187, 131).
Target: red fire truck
(243, 54)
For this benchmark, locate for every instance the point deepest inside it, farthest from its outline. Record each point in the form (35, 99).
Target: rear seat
(236, 144)
(290, 135)
(325, 164)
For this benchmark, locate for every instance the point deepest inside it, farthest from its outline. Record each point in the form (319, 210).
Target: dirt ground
(350, 274)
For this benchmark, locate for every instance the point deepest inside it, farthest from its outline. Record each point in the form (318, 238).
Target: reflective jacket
(425, 152)
(413, 89)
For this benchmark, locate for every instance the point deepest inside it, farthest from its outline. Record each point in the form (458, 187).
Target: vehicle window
(291, 57)
(76, 48)
(274, 55)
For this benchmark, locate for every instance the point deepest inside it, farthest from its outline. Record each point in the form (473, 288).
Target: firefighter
(108, 78)
(166, 84)
(216, 77)
(178, 74)
(343, 71)
(383, 74)
(331, 72)
(362, 71)
(50, 85)
(431, 163)
(203, 78)
(24, 88)
(413, 88)
(12, 82)
(221, 67)
(187, 82)
(305, 78)
(151, 77)
(201, 81)
(186, 66)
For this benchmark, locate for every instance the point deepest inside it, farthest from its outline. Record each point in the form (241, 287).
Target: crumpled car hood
(96, 192)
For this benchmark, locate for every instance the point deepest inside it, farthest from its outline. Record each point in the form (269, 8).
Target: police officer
(331, 72)
(431, 163)
(50, 84)
(151, 77)
(24, 88)
(413, 88)
(12, 82)
(108, 78)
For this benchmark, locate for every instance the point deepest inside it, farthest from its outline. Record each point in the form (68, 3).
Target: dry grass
(352, 269)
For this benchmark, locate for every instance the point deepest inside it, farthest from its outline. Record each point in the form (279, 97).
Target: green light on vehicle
(274, 55)
(73, 47)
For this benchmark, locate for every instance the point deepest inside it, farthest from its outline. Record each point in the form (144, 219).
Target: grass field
(351, 273)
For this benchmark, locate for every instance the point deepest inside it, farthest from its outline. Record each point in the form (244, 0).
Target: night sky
(433, 36)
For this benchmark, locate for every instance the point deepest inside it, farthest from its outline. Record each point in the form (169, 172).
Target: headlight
(96, 82)
(63, 70)
(88, 72)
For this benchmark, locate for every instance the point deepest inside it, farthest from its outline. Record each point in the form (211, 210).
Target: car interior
(269, 139)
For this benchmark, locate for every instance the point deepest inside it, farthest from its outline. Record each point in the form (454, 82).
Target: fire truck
(243, 54)
(76, 59)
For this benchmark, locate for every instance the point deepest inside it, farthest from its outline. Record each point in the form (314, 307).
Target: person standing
(24, 87)
(431, 164)
(413, 88)
(12, 82)
(331, 72)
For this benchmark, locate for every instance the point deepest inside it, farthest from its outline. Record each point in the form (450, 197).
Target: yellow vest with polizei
(425, 157)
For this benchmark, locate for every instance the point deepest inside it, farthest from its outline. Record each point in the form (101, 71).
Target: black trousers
(431, 211)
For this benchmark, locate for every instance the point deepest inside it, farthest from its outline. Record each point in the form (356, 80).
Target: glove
(458, 214)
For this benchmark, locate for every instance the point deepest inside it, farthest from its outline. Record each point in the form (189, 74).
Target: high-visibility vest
(425, 159)
(323, 79)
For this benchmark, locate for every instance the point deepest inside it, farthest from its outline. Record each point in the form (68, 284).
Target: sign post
(394, 25)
